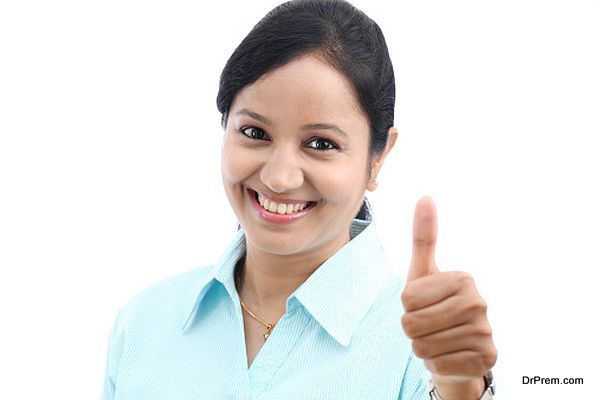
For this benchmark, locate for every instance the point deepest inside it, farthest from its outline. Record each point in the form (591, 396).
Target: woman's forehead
(305, 88)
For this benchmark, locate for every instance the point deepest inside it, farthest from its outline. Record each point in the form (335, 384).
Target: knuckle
(420, 348)
(490, 358)
(483, 330)
(465, 278)
(482, 363)
(477, 306)
(409, 325)
(421, 242)
(478, 364)
(407, 297)
(483, 305)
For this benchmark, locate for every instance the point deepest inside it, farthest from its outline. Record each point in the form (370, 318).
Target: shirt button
(242, 395)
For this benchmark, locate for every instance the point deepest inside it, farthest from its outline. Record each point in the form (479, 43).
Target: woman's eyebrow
(254, 115)
(336, 129)
(309, 127)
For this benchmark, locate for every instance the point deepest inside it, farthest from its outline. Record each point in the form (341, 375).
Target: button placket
(276, 350)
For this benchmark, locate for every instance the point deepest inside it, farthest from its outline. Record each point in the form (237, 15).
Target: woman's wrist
(459, 389)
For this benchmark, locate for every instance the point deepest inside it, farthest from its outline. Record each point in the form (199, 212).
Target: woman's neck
(267, 280)
(268, 287)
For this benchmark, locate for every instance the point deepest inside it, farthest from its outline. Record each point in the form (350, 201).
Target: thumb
(424, 237)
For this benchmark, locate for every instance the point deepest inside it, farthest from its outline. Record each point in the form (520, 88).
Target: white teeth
(280, 208)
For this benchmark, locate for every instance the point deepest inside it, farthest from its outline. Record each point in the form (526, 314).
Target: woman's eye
(323, 144)
(253, 132)
(320, 144)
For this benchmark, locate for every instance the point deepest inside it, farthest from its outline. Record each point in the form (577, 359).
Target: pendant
(268, 332)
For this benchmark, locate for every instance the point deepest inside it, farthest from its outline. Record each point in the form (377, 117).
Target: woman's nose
(281, 172)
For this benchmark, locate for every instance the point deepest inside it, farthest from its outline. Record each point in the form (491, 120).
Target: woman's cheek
(342, 185)
(236, 163)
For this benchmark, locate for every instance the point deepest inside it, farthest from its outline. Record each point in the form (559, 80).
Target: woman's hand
(445, 317)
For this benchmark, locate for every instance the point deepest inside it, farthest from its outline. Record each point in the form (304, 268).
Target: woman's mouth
(280, 212)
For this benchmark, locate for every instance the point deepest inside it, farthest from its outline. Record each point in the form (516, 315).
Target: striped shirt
(339, 338)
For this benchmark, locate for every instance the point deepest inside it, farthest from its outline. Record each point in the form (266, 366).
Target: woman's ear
(378, 160)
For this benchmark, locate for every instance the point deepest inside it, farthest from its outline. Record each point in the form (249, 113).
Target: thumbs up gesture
(445, 317)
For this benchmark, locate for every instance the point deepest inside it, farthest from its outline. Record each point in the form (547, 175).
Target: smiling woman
(302, 303)
(284, 150)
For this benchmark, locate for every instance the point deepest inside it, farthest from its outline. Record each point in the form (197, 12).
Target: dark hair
(334, 29)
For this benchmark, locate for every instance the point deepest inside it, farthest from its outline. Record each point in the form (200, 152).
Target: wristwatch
(488, 393)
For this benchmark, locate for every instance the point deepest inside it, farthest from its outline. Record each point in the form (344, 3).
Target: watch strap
(488, 394)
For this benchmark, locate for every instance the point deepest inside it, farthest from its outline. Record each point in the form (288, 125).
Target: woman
(302, 304)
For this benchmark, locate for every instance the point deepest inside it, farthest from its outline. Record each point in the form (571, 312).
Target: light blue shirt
(340, 337)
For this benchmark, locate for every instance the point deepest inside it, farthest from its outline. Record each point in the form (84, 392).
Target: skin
(445, 316)
(281, 158)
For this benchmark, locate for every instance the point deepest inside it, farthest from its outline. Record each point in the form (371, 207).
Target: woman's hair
(343, 36)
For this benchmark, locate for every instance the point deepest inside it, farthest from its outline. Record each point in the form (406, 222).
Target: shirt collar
(338, 294)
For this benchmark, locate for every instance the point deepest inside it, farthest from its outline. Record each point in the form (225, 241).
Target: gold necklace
(265, 324)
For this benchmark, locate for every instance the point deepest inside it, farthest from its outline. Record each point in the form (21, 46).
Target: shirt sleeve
(115, 346)
(415, 381)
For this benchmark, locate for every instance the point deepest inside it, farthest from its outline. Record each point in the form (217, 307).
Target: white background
(110, 171)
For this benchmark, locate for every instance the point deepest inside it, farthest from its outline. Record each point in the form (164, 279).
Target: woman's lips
(276, 217)
(281, 200)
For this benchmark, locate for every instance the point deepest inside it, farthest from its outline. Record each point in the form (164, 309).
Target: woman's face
(296, 135)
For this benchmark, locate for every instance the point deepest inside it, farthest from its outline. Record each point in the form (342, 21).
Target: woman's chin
(275, 243)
